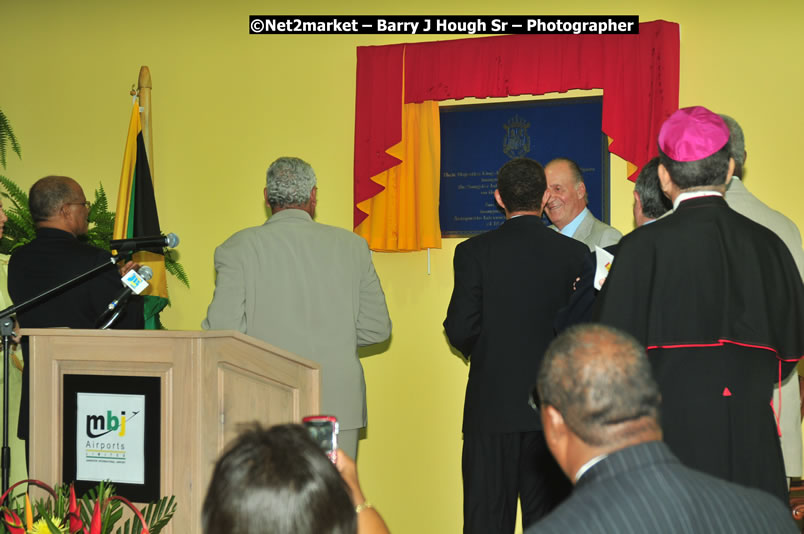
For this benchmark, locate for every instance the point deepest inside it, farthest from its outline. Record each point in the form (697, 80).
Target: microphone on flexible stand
(136, 243)
(135, 282)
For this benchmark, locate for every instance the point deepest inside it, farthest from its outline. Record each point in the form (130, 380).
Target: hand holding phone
(324, 431)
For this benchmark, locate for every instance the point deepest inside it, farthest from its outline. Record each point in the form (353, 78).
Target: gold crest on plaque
(516, 142)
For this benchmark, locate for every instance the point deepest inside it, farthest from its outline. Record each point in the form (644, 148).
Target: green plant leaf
(19, 229)
(159, 514)
(15, 194)
(7, 137)
(175, 268)
(50, 525)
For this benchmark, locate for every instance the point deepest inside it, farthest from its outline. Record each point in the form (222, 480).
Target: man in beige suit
(305, 287)
(567, 206)
(742, 201)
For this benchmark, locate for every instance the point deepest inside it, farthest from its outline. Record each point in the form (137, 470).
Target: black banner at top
(443, 25)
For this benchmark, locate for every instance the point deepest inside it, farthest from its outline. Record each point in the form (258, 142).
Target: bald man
(567, 206)
(60, 211)
(600, 406)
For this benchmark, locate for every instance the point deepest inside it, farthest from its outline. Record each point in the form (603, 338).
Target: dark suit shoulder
(646, 489)
(524, 230)
(698, 218)
(54, 258)
(52, 247)
(57, 241)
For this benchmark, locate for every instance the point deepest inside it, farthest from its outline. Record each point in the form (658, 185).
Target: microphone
(136, 243)
(135, 282)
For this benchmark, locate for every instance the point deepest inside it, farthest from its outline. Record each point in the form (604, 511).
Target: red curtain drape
(638, 75)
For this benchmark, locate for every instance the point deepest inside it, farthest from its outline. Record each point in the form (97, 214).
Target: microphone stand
(7, 332)
(113, 318)
(118, 310)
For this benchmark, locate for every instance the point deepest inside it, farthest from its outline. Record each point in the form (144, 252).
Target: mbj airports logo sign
(100, 425)
(110, 437)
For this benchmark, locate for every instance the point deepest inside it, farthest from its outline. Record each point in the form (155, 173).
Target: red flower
(13, 522)
(74, 514)
(95, 526)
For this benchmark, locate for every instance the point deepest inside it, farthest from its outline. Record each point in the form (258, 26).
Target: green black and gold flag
(136, 216)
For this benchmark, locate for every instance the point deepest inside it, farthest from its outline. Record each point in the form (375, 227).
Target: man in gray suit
(742, 201)
(567, 206)
(307, 288)
(600, 406)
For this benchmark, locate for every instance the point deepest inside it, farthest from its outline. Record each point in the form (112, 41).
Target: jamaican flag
(136, 216)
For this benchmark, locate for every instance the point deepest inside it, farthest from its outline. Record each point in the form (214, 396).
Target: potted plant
(97, 512)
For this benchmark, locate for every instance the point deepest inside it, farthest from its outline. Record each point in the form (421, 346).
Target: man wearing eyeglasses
(60, 212)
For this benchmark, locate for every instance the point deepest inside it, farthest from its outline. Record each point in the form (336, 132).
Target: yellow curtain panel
(404, 216)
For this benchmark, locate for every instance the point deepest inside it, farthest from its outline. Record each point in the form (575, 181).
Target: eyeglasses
(84, 203)
(534, 400)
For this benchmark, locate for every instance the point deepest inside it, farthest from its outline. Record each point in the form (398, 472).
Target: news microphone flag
(136, 216)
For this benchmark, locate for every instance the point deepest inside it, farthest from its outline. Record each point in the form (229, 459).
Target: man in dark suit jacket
(649, 204)
(59, 210)
(509, 284)
(600, 407)
(718, 302)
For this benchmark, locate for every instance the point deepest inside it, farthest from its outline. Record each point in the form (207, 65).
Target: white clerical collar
(694, 194)
(587, 466)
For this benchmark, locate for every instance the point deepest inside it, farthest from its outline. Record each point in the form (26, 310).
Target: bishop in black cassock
(717, 301)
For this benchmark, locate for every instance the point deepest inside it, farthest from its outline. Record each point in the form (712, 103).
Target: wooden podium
(211, 383)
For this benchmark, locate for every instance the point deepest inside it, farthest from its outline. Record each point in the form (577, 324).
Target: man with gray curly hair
(290, 182)
(305, 287)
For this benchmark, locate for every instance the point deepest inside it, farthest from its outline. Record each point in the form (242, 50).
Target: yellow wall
(226, 103)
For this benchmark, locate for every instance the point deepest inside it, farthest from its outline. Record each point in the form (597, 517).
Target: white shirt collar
(694, 194)
(570, 229)
(587, 466)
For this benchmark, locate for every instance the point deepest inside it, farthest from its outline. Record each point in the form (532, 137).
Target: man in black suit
(59, 210)
(600, 409)
(718, 302)
(509, 284)
(649, 205)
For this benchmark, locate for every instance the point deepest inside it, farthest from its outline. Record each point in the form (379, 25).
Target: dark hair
(521, 183)
(737, 143)
(49, 194)
(598, 377)
(277, 481)
(711, 170)
(649, 189)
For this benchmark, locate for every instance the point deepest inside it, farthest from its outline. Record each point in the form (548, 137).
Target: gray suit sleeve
(610, 236)
(373, 323)
(227, 311)
(794, 244)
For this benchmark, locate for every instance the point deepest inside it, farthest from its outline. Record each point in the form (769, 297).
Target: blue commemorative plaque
(477, 140)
